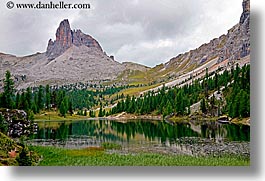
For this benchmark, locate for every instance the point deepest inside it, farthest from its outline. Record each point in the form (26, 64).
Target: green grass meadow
(52, 156)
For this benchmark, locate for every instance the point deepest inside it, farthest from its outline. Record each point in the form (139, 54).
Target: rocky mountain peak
(65, 38)
(246, 11)
(64, 34)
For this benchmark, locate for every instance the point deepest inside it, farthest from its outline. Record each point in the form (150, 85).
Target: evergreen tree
(235, 106)
(8, 91)
(212, 103)
(216, 82)
(203, 106)
(1, 100)
(70, 109)
(48, 97)
(100, 114)
(17, 100)
(40, 98)
(244, 104)
(35, 106)
(29, 97)
(24, 159)
(63, 109)
(91, 114)
(30, 115)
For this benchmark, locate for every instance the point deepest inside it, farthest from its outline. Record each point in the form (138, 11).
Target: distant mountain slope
(229, 48)
(232, 46)
(135, 66)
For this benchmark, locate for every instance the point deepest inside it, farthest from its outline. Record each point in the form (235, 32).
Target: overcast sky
(149, 32)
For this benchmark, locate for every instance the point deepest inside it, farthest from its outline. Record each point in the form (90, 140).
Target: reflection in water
(137, 132)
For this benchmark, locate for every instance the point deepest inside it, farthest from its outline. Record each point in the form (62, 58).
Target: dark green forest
(235, 85)
(176, 100)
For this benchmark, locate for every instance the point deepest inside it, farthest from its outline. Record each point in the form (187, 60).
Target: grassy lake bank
(52, 156)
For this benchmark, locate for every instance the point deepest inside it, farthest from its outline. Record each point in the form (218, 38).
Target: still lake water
(145, 135)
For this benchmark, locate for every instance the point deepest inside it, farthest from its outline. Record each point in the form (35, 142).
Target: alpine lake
(146, 136)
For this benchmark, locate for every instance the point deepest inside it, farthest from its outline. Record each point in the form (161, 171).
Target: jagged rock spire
(65, 38)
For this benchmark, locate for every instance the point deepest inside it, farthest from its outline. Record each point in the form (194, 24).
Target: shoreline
(124, 117)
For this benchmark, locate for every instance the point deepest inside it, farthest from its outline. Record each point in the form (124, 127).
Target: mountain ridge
(74, 56)
(232, 46)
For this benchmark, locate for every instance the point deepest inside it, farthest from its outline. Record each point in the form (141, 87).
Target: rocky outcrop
(18, 122)
(65, 38)
(232, 46)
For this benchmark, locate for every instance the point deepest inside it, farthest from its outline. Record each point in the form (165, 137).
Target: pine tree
(126, 104)
(29, 97)
(8, 91)
(91, 114)
(243, 104)
(17, 100)
(63, 109)
(85, 113)
(40, 98)
(1, 100)
(48, 97)
(169, 108)
(35, 106)
(235, 106)
(100, 114)
(203, 106)
(70, 109)
(30, 115)
(24, 159)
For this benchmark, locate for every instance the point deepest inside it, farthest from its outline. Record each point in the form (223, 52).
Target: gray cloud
(143, 31)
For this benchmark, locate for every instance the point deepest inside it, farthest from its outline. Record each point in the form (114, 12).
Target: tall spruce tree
(9, 91)
(47, 97)
(63, 109)
(203, 106)
(40, 97)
